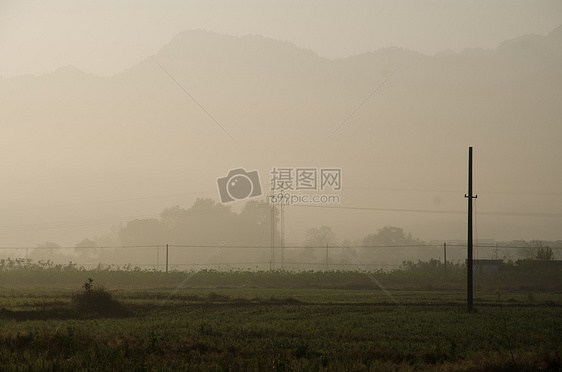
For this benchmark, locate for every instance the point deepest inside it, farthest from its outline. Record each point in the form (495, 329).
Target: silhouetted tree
(143, 232)
(389, 238)
(317, 238)
(541, 252)
(205, 223)
(45, 251)
(86, 248)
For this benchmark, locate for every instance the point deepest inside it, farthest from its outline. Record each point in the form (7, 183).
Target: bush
(97, 300)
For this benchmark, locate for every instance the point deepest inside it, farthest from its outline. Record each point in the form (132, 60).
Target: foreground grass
(283, 330)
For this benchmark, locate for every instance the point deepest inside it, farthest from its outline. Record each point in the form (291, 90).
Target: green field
(279, 329)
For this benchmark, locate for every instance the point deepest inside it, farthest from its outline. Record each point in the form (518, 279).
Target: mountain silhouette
(281, 103)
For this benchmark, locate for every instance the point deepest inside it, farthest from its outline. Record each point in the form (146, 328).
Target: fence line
(184, 257)
(457, 246)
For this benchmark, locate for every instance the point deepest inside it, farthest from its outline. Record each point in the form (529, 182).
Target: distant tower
(282, 234)
(272, 260)
(281, 231)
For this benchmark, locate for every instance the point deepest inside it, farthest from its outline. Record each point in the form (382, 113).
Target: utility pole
(326, 256)
(469, 265)
(166, 258)
(272, 261)
(445, 255)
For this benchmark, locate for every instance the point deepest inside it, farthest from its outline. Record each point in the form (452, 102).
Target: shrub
(97, 300)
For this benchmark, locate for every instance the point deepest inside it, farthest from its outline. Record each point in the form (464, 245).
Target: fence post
(326, 256)
(445, 255)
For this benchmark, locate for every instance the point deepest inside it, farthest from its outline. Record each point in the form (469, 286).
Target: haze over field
(96, 130)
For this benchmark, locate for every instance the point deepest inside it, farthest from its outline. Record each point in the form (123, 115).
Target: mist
(87, 151)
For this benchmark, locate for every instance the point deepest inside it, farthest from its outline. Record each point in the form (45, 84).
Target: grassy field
(277, 329)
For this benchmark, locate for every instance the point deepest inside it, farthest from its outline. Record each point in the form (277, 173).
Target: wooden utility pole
(469, 265)
(326, 256)
(166, 258)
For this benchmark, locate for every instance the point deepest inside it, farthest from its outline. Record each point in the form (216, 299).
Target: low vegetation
(58, 317)
(250, 329)
(529, 275)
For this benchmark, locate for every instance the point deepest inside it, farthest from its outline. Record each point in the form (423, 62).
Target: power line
(520, 214)
(362, 103)
(515, 193)
(219, 208)
(198, 104)
(215, 209)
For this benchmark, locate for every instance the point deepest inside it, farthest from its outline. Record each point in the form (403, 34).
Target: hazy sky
(58, 156)
(106, 36)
